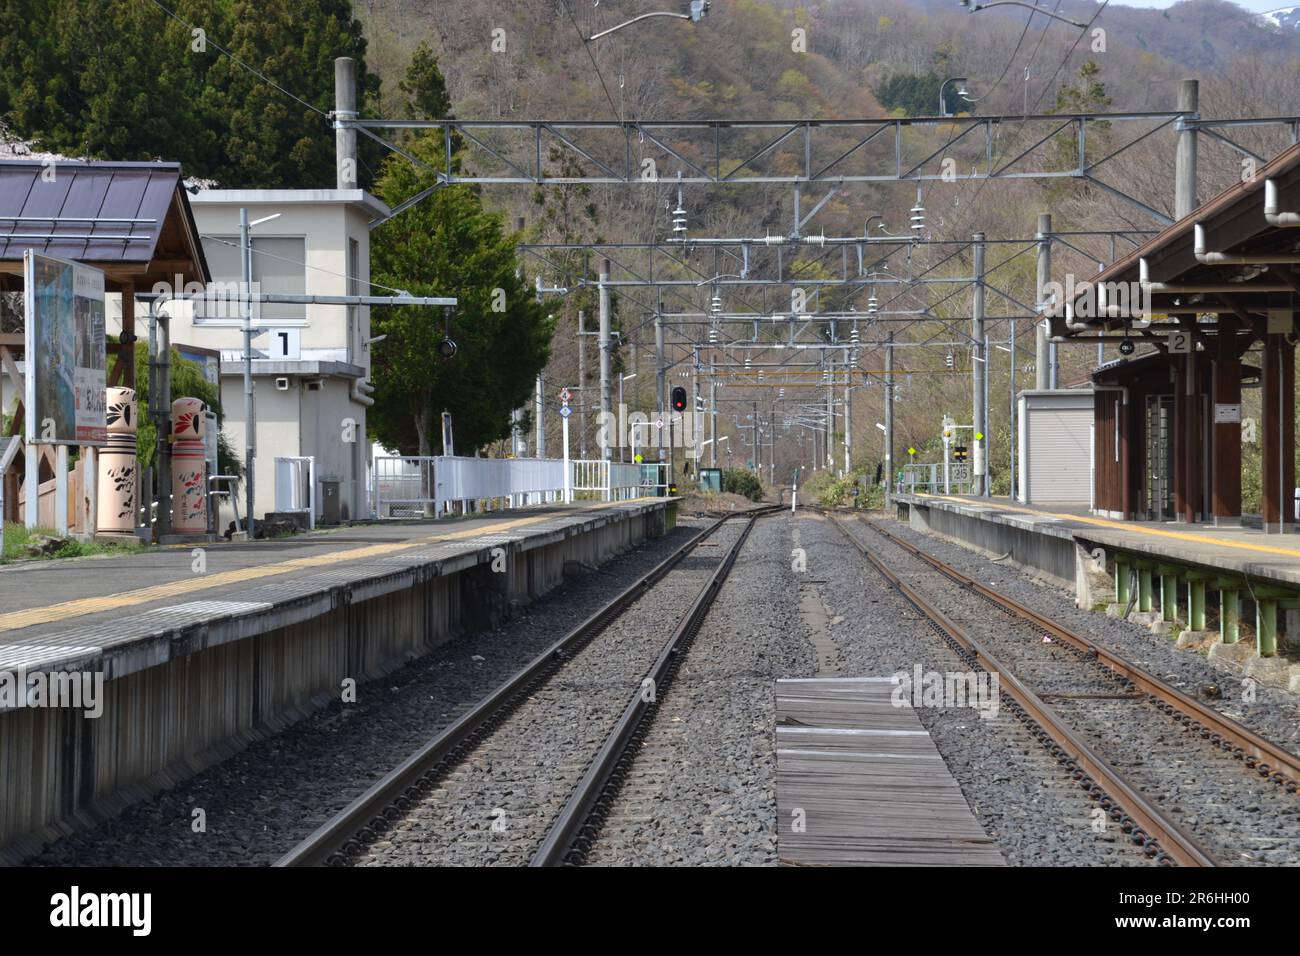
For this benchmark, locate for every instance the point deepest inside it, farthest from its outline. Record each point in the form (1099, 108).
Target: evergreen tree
(448, 245)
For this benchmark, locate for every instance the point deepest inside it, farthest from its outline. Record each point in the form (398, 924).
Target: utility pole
(539, 413)
(345, 108)
(830, 413)
(606, 397)
(250, 430)
(1015, 436)
(1042, 333)
(979, 372)
(660, 384)
(1185, 161)
(713, 424)
(848, 422)
(889, 418)
(582, 384)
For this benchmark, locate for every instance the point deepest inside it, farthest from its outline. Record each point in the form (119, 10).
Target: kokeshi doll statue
(189, 467)
(118, 469)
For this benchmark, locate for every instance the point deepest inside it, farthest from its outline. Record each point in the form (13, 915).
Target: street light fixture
(961, 91)
(1017, 3)
(698, 10)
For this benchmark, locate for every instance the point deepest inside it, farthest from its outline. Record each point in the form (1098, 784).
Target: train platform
(1196, 583)
(859, 782)
(200, 649)
(1242, 550)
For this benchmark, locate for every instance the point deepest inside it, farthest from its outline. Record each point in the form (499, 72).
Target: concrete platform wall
(60, 771)
(1051, 558)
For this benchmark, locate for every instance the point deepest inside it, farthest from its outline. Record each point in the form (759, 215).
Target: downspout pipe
(1204, 288)
(1205, 257)
(1274, 216)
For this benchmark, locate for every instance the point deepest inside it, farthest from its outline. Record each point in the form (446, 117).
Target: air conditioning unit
(282, 384)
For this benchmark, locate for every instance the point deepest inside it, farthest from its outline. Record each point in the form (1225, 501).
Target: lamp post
(621, 380)
(974, 7)
(961, 91)
(698, 10)
(250, 441)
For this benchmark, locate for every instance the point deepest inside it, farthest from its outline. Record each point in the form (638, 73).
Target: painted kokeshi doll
(189, 467)
(119, 471)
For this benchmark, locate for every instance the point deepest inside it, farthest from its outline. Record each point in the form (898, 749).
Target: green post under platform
(1265, 626)
(1195, 604)
(1144, 589)
(1229, 615)
(1121, 583)
(1168, 596)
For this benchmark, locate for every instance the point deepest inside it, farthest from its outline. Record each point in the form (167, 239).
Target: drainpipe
(358, 390)
(1208, 258)
(1204, 288)
(1284, 220)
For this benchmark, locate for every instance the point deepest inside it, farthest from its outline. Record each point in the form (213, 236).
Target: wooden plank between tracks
(860, 783)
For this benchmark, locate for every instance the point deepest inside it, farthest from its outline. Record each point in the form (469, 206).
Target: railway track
(1104, 713)
(555, 703)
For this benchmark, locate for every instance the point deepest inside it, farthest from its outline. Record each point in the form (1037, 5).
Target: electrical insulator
(918, 218)
(715, 306)
(872, 305)
(679, 222)
(746, 361)
(853, 335)
(713, 336)
(950, 360)
(780, 392)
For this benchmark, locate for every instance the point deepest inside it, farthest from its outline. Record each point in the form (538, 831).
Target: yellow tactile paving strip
(16, 620)
(1130, 527)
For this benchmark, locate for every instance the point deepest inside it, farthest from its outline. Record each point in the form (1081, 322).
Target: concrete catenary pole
(978, 371)
(250, 426)
(1042, 351)
(606, 395)
(582, 384)
(660, 383)
(1185, 161)
(713, 424)
(345, 108)
(539, 413)
(889, 418)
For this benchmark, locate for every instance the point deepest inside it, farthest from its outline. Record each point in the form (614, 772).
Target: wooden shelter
(1222, 282)
(130, 220)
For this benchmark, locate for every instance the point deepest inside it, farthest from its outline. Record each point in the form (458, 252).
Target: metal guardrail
(427, 487)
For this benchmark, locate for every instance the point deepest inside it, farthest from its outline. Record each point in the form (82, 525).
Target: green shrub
(738, 481)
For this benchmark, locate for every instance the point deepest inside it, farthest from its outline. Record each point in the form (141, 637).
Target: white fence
(411, 487)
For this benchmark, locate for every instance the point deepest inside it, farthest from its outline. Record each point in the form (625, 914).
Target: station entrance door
(1159, 471)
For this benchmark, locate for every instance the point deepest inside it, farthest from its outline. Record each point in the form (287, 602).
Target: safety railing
(415, 487)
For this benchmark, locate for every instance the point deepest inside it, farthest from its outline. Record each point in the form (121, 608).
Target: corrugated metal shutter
(1060, 455)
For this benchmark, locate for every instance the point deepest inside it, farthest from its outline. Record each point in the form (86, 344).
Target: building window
(279, 265)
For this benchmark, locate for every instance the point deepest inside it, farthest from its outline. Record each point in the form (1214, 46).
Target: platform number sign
(1180, 342)
(285, 343)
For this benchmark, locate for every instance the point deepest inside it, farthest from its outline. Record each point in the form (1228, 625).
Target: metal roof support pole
(660, 383)
(250, 428)
(1185, 160)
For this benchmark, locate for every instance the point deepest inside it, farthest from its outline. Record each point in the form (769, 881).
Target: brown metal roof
(1234, 221)
(132, 220)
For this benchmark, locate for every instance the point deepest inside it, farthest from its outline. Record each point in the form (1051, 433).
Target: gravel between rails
(496, 806)
(1237, 816)
(263, 800)
(702, 789)
(1017, 791)
(1274, 713)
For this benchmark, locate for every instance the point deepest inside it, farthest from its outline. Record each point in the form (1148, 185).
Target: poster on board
(65, 352)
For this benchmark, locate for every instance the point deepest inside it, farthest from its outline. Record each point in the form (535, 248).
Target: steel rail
(1161, 836)
(1261, 755)
(385, 801)
(573, 831)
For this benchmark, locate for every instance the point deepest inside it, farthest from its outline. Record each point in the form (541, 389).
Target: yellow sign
(637, 458)
(911, 451)
(979, 436)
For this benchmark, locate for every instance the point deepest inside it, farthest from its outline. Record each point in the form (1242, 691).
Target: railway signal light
(679, 398)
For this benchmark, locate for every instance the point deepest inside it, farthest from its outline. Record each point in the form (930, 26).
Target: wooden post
(1225, 451)
(1191, 447)
(1278, 434)
(126, 350)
